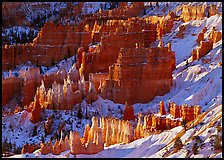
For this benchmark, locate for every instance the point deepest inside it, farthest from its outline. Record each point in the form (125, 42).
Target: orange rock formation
(197, 12)
(35, 109)
(24, 85)
(134, 70)
(215, 36)
(61, 97)
(160, 122)
(203, 49)
(27, 148)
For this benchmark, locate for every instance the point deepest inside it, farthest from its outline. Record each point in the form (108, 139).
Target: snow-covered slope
(161, 145)
(199, 83)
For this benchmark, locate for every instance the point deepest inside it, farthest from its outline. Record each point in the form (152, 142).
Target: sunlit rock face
(138, 68)
(53, 44)
(198, 12)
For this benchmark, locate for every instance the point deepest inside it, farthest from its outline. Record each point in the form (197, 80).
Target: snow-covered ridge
(199, 83)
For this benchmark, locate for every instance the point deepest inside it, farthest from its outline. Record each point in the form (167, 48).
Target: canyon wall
(10, 88)
(53, 44)
(31, 80)
(25, 86)
(137, 68)
(12, 14)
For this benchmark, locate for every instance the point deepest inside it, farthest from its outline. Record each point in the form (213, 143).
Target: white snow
(198, 84)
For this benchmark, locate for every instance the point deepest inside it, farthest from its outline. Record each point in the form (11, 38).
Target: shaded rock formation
(10, 88)
(31, 80)
(23, 86)
(12, 14)
(128, 112)
(200, 37)
(92, 95)
(47, 126)
(46, 148)
(53, 44)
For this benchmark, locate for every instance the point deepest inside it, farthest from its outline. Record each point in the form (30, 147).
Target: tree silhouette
(184, 122)
(79, 113)
(178, 143)
(195, 149)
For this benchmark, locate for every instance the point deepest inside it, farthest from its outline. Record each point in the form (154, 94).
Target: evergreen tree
(184, 122)
(187, 63)
(79, 113)
(217, 142)
(195, 149)
(178, 143)
(35, 131)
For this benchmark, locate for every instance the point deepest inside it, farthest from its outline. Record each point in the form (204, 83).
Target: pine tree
(195, 149)
(184, 122)
(187, 63)
(79, 114)
(217, 143)
(178, 143)
(35, 131)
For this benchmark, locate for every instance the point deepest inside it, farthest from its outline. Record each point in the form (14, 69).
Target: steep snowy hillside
(196, 83)
(206, 127)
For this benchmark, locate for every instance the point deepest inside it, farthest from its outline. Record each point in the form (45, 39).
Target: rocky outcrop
(76, 144)
(198, 12)
(23, 86)
(215, 36)
(53, 44)
(116, 34)
(31, 80)
(61, 97)
(203, 49)
(114, 131)
(46, 148)
(35, 109)
(200, 37)
(128, 112)
(111, 131)
(162, 109)
(185, 111)
(135, 69)
(92, 95)
(158, 122)
(29, 148)
(10, 88)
